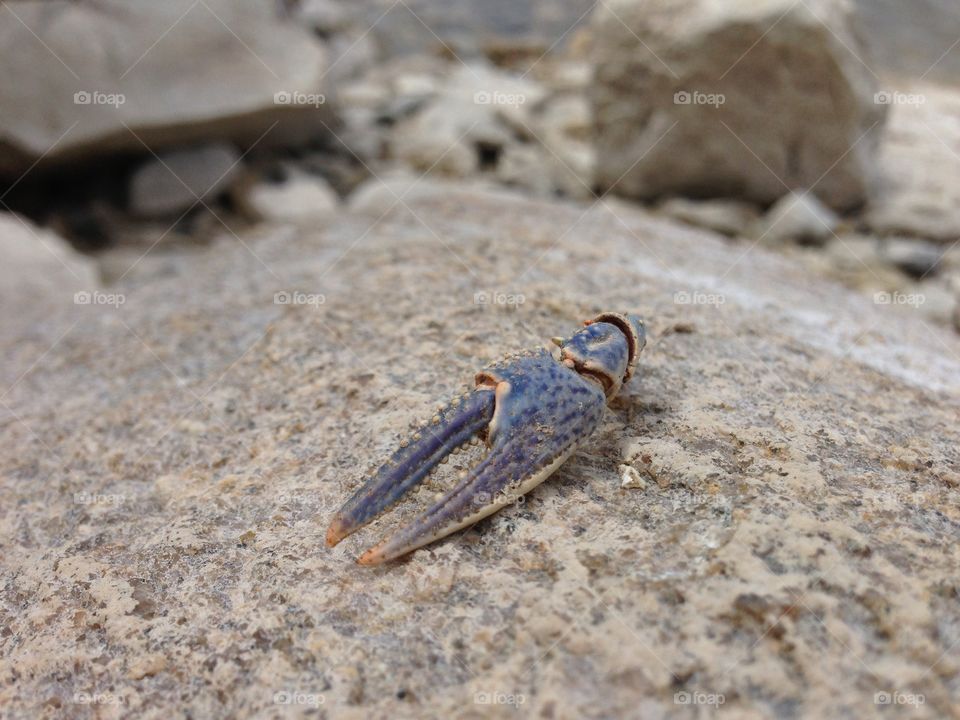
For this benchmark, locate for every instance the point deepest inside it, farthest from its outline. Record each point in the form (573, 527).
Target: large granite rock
(919, 190)
(767, 517)
(86, 78)
(746, 99)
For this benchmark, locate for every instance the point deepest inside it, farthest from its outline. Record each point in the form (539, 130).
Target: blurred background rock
(829, 130)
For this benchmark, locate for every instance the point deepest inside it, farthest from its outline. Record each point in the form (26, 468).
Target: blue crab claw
(453, 426)
(533, 409)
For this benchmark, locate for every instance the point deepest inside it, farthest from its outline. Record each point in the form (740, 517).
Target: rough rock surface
(168, 468)
(83, 78)
(678, 112)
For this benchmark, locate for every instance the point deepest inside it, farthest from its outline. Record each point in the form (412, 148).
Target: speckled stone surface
(786, 543)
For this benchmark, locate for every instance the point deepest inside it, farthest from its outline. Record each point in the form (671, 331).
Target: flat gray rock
(91, 79)
(174, 182)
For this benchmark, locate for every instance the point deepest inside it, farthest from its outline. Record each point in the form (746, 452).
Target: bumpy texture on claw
(450, 428)
(533, 408)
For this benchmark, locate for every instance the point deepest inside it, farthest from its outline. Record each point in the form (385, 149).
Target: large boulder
(785, 543)
(919, 191)
(85, 78)
(746, 99)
